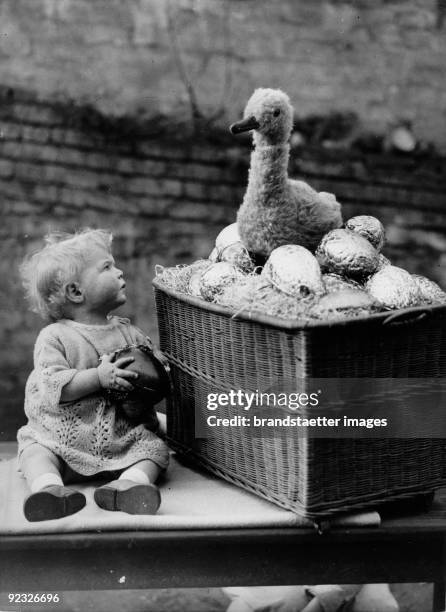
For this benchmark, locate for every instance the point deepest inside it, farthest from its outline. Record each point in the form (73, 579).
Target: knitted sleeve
(51, 368)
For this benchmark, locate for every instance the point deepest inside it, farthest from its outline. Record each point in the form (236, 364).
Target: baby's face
(102, 283)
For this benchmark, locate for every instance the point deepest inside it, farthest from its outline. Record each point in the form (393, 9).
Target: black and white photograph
(223, 305)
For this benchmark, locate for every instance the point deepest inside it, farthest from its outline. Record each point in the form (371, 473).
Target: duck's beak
(250, 123)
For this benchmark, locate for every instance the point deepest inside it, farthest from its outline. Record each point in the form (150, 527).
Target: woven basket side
(233, 354)
(379, 351)
(210, 352)
(347, 471)
(314, 478)
(273, 466)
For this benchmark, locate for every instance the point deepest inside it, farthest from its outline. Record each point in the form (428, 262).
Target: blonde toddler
(75, 429)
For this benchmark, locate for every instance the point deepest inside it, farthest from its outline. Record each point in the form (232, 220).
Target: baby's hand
(112, 375)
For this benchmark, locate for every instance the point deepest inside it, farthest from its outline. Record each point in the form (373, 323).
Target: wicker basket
(211, 352)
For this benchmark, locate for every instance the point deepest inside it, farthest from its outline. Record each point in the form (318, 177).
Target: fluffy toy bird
(277, 210)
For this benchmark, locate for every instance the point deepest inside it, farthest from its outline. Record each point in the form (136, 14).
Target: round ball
(152, 384)
(370, 228)
(294, 270)
(347, 253)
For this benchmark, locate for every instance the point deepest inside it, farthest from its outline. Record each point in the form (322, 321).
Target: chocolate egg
(293, 270)
(237, 255)
(192, 275)
(382, 262)
(152, 384)
(214, 255)
(194, 287)
(430, 292)
(347, 298)
(347, 253)
(394, 288)
(354, 302)
(370, 227)
(227, 236)
(335, 282)
(216, 278)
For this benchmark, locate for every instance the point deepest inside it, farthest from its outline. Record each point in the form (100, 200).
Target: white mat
(190, 500)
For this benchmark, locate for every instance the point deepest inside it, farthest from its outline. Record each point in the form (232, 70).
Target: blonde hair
(47, 272)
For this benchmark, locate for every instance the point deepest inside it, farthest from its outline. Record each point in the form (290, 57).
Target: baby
(76, 430)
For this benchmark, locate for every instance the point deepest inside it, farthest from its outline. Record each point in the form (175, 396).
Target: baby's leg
(40, 466)
(134, 492)
(143, 472)
(49, 499)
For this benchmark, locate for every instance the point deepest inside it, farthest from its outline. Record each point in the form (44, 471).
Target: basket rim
(296, 324)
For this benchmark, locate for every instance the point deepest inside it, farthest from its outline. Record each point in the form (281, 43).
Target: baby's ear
(73, 293)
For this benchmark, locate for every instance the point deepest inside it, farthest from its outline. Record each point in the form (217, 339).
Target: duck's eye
(276, 112)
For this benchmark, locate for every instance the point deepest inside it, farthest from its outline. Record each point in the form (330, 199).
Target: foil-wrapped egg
(430, 292)
(194, 286)
(183, 275)
(293, 270)
(227, 236)
(383, 261)
(370, 227)
(214, 255)
(237, 254)
(354, 302)
(192, 274)
(335, 282)
(347, 253)
(394, 288)
(216, 278)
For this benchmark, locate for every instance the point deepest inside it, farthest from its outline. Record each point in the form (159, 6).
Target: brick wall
(383, 59)
(165, 197)
(89, 92)
(163, 201)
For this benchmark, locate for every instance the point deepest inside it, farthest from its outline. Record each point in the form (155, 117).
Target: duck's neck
(269, 170)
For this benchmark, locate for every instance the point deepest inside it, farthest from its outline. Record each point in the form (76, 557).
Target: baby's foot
(53, 502)
(128, 496)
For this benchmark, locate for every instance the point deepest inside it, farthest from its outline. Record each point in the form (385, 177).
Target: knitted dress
(89, 434)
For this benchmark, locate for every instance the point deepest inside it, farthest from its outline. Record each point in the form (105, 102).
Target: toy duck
(277, 210)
